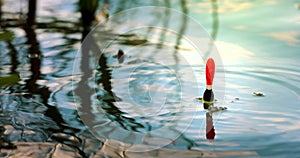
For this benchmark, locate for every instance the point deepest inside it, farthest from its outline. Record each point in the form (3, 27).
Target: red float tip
(210, 71)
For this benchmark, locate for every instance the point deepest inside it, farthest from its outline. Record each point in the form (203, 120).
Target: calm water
(67, 96)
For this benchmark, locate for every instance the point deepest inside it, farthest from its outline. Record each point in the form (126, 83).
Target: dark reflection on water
(27, 114)
(113, 112)
(35, 68)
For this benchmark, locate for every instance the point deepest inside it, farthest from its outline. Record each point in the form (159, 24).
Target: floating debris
(235, 99)
(6, 35)
(199, 98)
(258, 94)
(215, 108)
(121, 56)
(9, 80)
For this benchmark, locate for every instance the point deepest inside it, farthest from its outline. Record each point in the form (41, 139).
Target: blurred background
(43, 73)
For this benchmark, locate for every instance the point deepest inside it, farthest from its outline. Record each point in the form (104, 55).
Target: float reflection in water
(210, 129)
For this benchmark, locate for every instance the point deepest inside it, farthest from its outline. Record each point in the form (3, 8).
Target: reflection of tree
(1, 3)
(108, 105)
(114, 112)
(87, 9)
(181, 30)
(166, 22)
(215, 27)
(56, 25)
(37, 91)
(13, 55)
(84, 91)
(35, 61)
(4, 143)
(184, 22)
(215, 24)
(42, 92)
(35, 68)
(13, 51)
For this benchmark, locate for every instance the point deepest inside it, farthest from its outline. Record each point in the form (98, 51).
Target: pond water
(59, 97)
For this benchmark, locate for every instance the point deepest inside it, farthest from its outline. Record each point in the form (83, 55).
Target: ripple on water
(153, 100)
(265, 124)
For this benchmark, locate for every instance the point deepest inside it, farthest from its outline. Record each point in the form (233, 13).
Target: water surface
(149, 97)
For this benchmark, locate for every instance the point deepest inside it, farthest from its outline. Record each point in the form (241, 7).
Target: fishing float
(208, 95)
